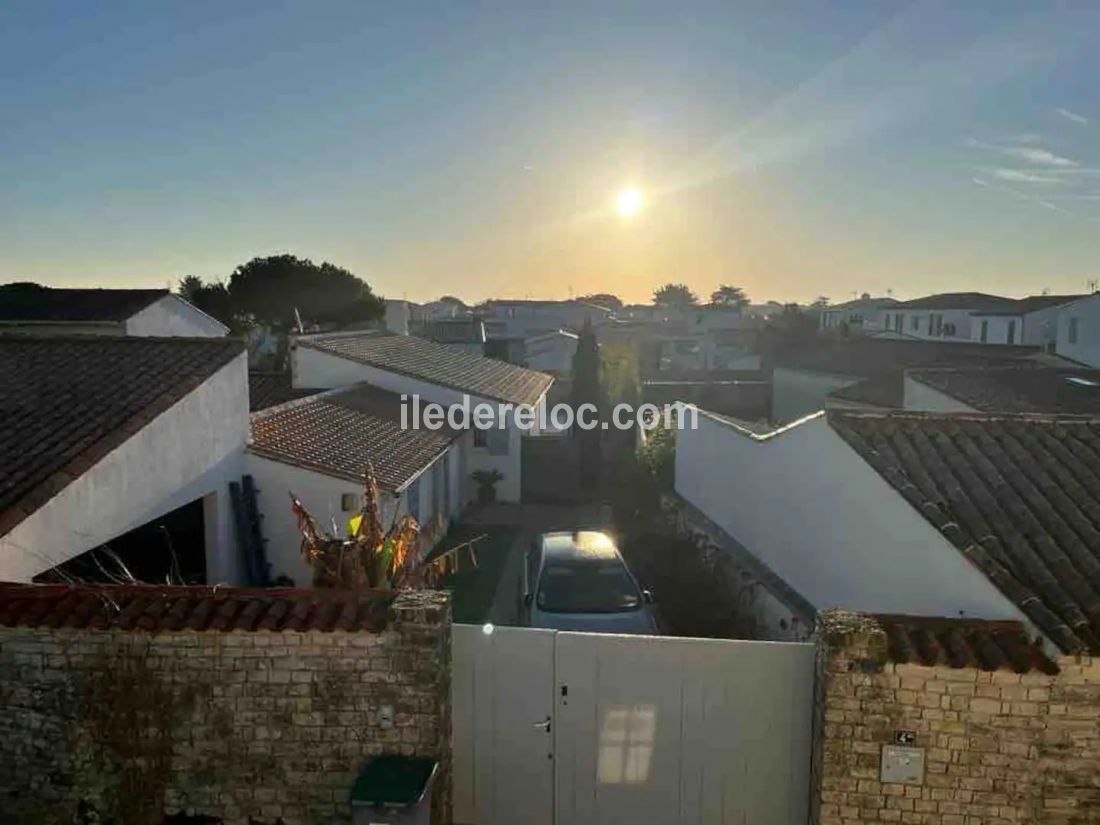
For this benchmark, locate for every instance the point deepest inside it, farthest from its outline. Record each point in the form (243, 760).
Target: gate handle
(544, 725)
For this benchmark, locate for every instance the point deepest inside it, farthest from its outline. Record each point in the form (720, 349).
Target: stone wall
(123, 725)
(999, 746)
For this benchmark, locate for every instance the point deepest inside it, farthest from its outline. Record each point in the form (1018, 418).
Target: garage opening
(167, 550)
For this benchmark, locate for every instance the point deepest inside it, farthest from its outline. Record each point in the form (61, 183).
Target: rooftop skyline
(497, 151)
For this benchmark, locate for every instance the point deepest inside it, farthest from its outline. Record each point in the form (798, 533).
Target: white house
(125, 442)
(907, 513)
(1078, 335)
(436, 373)
(864, 314)
(1030, 321)
(318, 448)
(30, 308)
(947, 316)
(551, 352)
(466, 333)
(526, 319)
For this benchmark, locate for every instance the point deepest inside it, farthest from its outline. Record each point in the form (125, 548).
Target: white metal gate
(641, 729)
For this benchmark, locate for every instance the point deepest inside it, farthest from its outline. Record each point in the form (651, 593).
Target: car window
(587, 586)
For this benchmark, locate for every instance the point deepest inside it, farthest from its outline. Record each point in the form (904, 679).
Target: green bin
(394, 790)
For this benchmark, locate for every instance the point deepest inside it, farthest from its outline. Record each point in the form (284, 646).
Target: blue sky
(795, 149)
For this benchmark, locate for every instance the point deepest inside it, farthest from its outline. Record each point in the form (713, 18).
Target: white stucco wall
(190, 451)
(997, 329)
(1086, 349)
(171, 316)
(809, 507)
(923, 398)
(798, 393)
(313, 368)
(552, 354)
(961, 318)
(321, 494)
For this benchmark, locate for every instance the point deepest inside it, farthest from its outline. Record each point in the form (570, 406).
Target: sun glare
(629, 202)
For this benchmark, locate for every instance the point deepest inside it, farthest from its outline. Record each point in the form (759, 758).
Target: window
(939, 325)
(413, 496)
(1011, 332)
(914, 323)
(899, 322)
(1073, 330)
(985, 331)
(480, 437)
(497, 441)
(447, 485)
(886, 321)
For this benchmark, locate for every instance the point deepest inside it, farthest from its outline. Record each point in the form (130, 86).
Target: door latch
(543, 725)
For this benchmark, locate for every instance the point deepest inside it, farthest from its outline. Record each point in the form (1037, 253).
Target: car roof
(588, 545)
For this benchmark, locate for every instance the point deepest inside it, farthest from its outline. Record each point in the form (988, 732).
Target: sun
(629, 202)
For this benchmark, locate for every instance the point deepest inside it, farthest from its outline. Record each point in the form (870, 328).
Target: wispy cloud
(1076, 118)
(1030, 153)
(1039, 156)
(1023, 176)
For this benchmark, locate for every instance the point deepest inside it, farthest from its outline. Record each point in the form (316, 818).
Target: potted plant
(486, 485)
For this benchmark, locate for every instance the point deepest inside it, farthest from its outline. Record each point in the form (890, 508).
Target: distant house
(1011, 387)
(863, 314)
(551, 352)
(123, 442)
(1078, 337)
(525, 319)
(978, 515)
(465, 333)
(33, 309)
(318, 448)
(807, 378)
(947, 316)
(437, 373)
(1030, 321)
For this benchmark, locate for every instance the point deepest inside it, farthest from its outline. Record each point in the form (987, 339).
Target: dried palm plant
(372, 556)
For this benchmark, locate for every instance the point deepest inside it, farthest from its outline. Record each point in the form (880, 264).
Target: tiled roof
(958, 300)
(450, 330)
(1033, 303)
(1019, 496)
(65, 402)
(868, 357)
(436, 364)
(338, 433)
(959, 643)
(267, 389)
(155, 609)
(28, 302)
(1018, 389)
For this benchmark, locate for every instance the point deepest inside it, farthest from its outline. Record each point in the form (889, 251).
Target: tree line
(282, 292)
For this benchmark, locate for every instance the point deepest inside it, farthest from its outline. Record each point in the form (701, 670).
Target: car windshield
(590, 586)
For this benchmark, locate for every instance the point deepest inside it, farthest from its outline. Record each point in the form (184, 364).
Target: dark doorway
(167, 550)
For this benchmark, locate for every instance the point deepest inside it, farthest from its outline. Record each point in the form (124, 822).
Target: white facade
(190, 451)
(803, 502)
(1079, 331)
(171, 316)
(929, 324)
(552, 353)
(326, 495)
(798, 393)
(502, 449)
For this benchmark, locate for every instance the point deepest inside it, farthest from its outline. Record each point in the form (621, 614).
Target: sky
(794, 149)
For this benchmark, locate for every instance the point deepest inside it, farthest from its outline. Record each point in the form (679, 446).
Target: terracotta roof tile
(1019, 496)
(338, 433)
(65, 401)
(959, 643)
(436, 364)
(156, 609)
